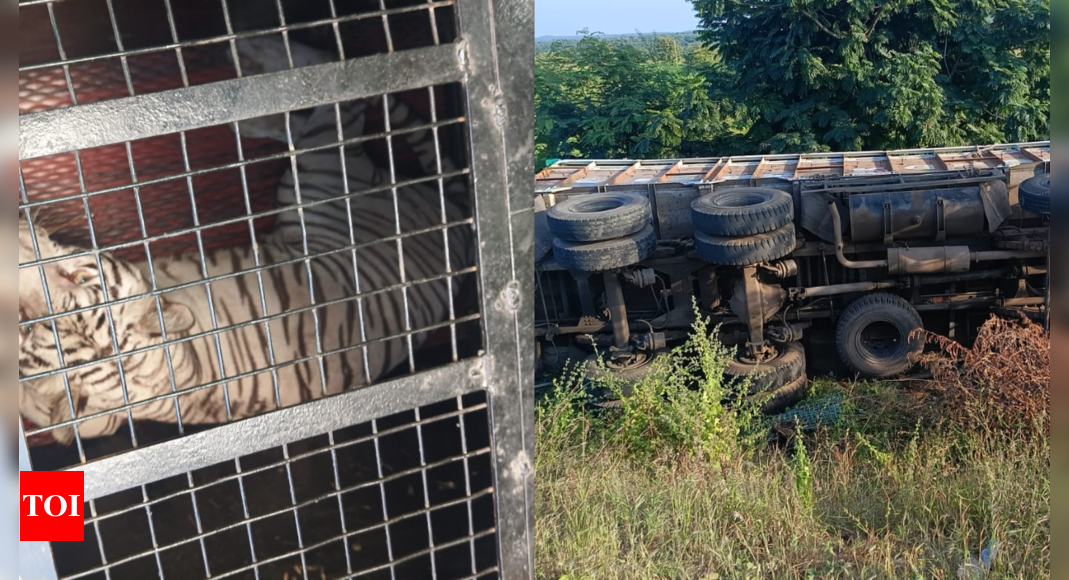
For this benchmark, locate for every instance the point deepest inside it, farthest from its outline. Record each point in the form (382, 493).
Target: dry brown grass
(1002, 381)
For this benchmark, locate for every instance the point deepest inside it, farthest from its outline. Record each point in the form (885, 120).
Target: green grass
(675, 486)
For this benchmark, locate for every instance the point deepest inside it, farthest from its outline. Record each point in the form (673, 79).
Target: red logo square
(52, 506)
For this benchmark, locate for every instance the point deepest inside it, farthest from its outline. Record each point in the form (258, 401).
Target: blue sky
(566, 17)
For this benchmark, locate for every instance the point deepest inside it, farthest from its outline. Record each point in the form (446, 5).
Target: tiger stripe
(364, 298)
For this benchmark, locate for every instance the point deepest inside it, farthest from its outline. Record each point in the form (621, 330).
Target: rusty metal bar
(942, 161)
(839, 289)
(806, 165)
(621, 175)
(717, 169)
(578, 175)
(759, 170)
(668, 172)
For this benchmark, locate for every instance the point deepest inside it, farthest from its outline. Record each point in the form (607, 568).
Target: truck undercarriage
(808, 264)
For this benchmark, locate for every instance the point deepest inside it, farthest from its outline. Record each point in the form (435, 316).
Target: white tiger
(246, 350)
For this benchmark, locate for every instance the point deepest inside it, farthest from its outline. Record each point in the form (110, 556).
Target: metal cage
(135, 136)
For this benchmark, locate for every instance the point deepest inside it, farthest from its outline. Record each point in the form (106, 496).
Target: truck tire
(785, 397)
(742, 211)
(747, 251)
(599, 217)
(874, 336)
(626, 378)
(606, 255)
(1035, 194)
(788, 366)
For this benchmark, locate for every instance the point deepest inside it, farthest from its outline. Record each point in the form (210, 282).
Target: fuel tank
(919, 215)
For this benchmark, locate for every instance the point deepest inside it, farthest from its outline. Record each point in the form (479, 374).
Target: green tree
(667, 50)
(883, 74)
(606, 99)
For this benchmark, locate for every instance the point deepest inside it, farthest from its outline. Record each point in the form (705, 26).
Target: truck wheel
(747, 251)
(874, 336)
(785, 397)
(599, 217)
(626, 376)
(606, 255)
(742, 211)
(1035, 194)
(787, 367)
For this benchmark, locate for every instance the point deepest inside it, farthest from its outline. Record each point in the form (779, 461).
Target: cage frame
(493, 73)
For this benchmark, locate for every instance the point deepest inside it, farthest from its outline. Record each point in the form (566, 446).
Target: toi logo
(51, 506)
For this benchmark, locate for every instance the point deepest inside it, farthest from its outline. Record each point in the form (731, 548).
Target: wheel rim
(880, 340)
(631, 363)
(740, 199)
(638, 361)
(1045, 183)
(771, 354)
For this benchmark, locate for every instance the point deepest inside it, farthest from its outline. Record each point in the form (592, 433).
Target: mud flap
(996, 200)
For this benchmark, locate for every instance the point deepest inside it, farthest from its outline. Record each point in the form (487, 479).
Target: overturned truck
(823, 263)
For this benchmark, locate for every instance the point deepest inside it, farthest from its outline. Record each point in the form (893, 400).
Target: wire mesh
(407, 496)
(87, 51)
(164, 224)
(210, 197)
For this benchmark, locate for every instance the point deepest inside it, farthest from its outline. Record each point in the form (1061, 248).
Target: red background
(43, 528)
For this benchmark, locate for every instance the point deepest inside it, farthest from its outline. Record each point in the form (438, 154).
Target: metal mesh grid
(228, 175)
(57, 94)
(457, 334)
(408, 496)
(86, 51)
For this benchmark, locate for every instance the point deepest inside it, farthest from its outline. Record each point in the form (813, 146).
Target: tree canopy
(883, 74)
(804, 75)
(601, 98)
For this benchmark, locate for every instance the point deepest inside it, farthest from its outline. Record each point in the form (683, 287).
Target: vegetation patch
(1002, 382)
(675, 484)
(800, 77)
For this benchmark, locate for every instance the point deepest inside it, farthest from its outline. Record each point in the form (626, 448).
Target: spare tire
(875, 336)
(787, 367)
(626, 377)
(606, 255)
(742, 211)
(1035, 194)
(747, 251)
(599, 217)
(784, 397)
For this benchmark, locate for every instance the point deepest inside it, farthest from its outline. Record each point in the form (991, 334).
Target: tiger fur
(267, 363)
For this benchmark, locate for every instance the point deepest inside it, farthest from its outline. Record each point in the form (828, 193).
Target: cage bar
(149, 479)
(132, 118)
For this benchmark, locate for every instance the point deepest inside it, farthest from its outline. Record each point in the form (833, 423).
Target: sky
(566, 17)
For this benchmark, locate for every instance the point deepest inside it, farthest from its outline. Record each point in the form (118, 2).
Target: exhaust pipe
(838, 222)
(934, 260)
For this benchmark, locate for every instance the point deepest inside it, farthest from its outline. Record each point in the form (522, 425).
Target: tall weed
(678, 408)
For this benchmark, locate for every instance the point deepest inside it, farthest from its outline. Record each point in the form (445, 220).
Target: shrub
(1001, 382)
(677, 409)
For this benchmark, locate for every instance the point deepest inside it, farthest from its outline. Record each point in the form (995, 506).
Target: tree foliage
(641, 41)
(598, 98)
(884, 74)
(803, 76)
